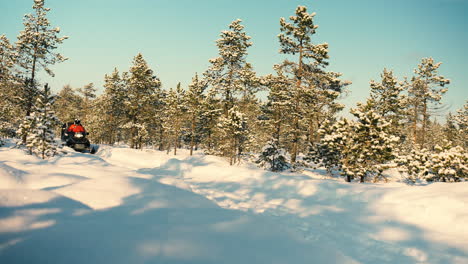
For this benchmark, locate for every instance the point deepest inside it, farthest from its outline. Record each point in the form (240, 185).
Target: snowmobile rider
(76, 127)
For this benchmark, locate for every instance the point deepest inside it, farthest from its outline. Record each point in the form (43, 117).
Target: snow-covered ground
(143, 206)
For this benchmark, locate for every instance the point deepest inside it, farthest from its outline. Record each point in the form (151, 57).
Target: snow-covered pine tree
(308, 77)
(8, 60)
(88, 93)
(41, 139)
(9, 109)
(388, 100)
(371, 144)
(143, 93)
(175, 113)
(36, 45)
(230, 74)
(194, 100)
(449, 164)
(211, 112)
(274, 118)
(67, 104)
(273, 157)
(334, 138)
(417, 163)
(233, 133)
(112, 106)
(426, 90)
(461, 121)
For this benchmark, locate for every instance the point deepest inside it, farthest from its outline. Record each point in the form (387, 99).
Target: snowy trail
(52, 213)
(143, 206)
(373, 223)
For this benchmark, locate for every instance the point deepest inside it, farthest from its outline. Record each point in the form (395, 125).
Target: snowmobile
(77, 141)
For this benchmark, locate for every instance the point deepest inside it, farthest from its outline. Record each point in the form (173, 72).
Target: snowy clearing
(143, 206)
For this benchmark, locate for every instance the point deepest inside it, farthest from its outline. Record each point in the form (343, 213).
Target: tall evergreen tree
(88, 93)
(308, 77)
(426, 88)
(67, 104)
(386, 96)
(9, 107)
(8, 60)
(230, 74)
(461, 121)
(194, 99)
(143, 90)
(175, 111)
(36, 45)
(113, 110)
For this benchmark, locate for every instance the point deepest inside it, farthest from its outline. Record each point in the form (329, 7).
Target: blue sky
(177, 38)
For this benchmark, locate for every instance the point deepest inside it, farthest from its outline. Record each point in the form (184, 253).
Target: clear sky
(177, 37)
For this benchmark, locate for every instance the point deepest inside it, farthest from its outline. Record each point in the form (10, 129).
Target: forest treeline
(220, 112)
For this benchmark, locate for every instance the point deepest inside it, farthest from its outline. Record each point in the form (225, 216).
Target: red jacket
(76, 128)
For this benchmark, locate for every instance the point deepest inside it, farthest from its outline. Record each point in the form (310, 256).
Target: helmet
(77, 122)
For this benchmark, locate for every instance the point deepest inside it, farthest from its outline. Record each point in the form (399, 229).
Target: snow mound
(10, 177)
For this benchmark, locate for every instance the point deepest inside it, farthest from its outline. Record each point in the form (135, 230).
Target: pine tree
(387, 98)
(143, 91)
(328, 152)
(449, 164)
(273, 157)
(88, 93)
(233, 133)
(426, 88)
(111, 106)
(370, 145)
(36, 45)
(461, 120)
(41, 139)
(275, 112)
(9, 109)
(175, 111)
(8, 60)
(417, 163)
(230, 74)
(310, 84)
(210, 114)
(68, 104)
(194, 100)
